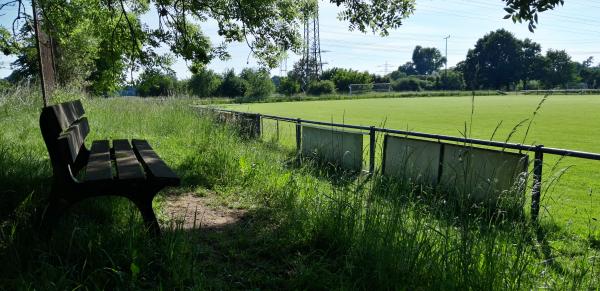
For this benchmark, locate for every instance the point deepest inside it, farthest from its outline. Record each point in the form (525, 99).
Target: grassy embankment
(302, 227)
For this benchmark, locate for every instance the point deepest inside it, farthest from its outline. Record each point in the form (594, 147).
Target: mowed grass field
(572, 186)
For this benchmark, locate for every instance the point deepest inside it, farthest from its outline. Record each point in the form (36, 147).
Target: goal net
(366, 88)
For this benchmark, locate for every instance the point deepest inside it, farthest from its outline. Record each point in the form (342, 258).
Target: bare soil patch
(190, 211)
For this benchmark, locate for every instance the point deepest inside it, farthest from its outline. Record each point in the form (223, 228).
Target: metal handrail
(506, 145)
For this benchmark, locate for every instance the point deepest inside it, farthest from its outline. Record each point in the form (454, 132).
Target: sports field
(563, 121)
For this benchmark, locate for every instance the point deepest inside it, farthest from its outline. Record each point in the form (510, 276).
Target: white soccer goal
(366, 88)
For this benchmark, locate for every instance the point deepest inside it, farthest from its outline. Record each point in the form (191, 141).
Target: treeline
(498, 61)
(501, 61)
(250, 84)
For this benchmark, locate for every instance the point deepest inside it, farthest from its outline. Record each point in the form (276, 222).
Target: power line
(465, 16)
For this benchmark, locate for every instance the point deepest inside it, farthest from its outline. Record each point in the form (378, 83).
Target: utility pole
(446, 38)
(283, 63)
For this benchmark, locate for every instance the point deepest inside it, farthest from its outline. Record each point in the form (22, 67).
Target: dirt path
(190, 211)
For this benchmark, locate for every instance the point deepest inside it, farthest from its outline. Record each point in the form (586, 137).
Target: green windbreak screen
(413, 160)
(481, 173)
(341, 148)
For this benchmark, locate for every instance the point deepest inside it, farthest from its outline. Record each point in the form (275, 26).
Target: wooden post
(372, 146)
(538, 164)
(277, 128)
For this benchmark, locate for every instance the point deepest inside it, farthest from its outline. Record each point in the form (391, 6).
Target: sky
(574, 27)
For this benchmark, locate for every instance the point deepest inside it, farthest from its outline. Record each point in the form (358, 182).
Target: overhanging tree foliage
(105, 37)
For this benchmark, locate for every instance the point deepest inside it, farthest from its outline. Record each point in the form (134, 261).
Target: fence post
(372, 145)
(298, 135)
(277, 128)
(259, 126)
(536, 190)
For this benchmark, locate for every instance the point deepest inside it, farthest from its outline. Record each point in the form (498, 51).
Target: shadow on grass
(253, 252)
(22, 178)
(332, 173)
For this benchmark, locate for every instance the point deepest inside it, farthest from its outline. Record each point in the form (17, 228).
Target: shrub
(259, 83)
(321, 87)
(451, 80)
(204, 83)
(533, 85)
(4, 85)
(232, 85)
(342, 78)
(288, 86)
(395, 75)
(409, 84)
(153, 82)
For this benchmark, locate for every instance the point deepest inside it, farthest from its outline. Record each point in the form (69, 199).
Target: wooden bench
(127, 169)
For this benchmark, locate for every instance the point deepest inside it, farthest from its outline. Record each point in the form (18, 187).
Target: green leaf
(135, 270)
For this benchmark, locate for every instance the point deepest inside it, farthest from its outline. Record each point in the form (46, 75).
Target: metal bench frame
(129, 169)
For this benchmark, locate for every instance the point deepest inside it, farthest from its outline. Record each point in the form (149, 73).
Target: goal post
(371, 87)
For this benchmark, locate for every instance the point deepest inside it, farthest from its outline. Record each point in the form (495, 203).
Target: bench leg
(145, 207)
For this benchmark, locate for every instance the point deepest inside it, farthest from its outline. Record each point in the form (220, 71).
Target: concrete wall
(412, 160)
(340, 148)
(481, 173)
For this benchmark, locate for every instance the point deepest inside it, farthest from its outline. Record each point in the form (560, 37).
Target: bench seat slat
(99, 167)
(128, 167)
(153, 164)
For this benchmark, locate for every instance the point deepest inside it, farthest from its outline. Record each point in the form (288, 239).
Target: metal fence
(538, 150)
(561, 91)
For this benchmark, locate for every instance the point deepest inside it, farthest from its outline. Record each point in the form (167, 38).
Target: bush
(344, 77)
(288, 86)
(321, 87)
(395, 75)
(153, 82)
(4, 85)
(533, 85)
(232, 85)
(259, 84)
(451, 80)
(410, 84)
(205, 83)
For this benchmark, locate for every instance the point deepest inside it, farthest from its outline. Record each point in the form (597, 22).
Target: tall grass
(302, 230)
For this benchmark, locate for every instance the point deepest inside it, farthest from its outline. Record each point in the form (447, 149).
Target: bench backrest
(64, 129)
